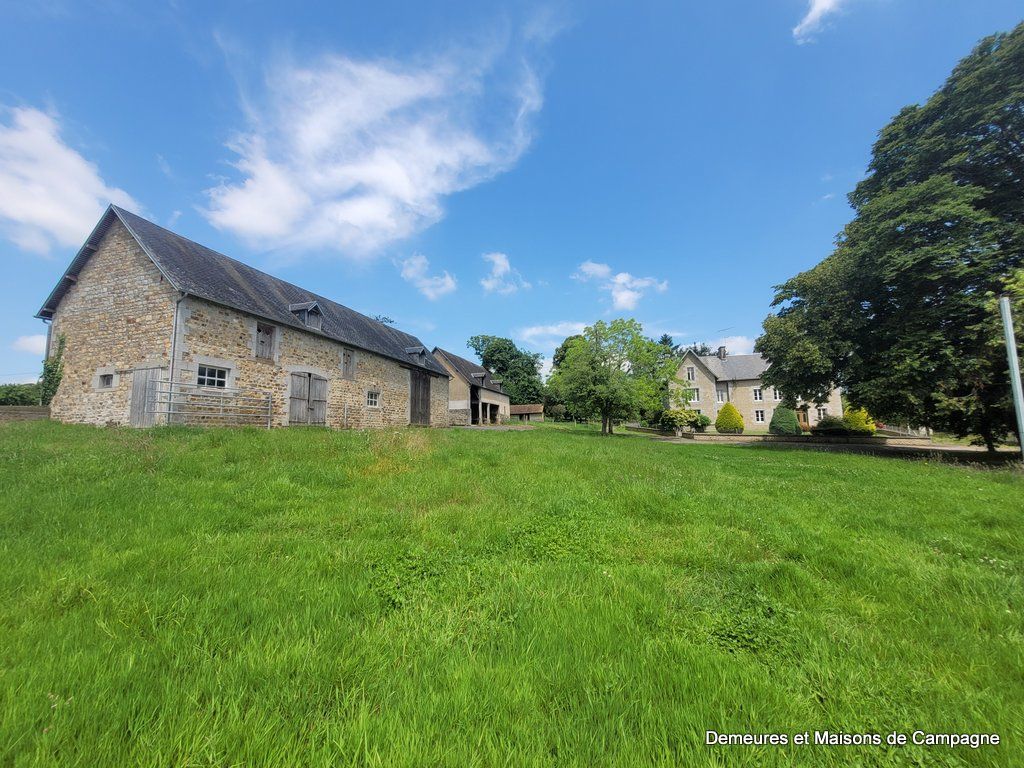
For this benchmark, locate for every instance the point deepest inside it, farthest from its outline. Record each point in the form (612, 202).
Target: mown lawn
(454, 598)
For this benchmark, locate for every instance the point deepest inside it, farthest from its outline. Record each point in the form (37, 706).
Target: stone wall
(117, 316)
(213, 335)
(23, 413)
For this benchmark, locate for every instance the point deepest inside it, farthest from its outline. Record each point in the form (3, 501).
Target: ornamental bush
(729, 421)
(859, 421)
(830, 425)
(684, 418)
(784, 422)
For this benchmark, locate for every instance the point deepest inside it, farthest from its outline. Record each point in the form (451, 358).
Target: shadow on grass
(1004, 459)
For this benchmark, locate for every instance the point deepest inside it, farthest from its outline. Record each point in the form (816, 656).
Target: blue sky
(519, 170)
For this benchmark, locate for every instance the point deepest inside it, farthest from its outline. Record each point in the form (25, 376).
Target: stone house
(161, 329)
(529, 412)
(475, 397)
(713, 380)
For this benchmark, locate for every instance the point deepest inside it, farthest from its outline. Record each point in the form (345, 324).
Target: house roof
(734, 367)
(199, 271)
(515, 410)
(470, 372)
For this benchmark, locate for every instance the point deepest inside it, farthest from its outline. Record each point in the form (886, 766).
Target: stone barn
(475, 396)
(159, 329)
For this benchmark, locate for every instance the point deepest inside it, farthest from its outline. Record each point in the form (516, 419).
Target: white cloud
(814, 19)
(49, 194)
(35, 344)
(828, 195)
(352, 155)
(503, 278)
(414, 270)
(548, 337)
(734, 345)
(626, 289)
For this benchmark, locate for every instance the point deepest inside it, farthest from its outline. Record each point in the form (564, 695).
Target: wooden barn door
(419, 398)
(308, 401)
(143, 405)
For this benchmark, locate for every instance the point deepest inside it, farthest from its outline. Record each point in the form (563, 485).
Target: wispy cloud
(50, 195)
(503, 278)
(734, 345)
(626, 290)
(351, 155)
(547, 337)
(415, 270)
(813, 21)
(34, 345)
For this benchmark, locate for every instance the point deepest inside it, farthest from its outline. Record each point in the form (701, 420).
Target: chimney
(721, 353)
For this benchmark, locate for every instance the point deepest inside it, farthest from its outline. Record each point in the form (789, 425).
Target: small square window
(373, 399)
(759, 416)
(212, 377)
(106, 380)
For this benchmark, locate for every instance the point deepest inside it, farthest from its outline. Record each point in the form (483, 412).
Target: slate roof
(199, 271)
(735, 367)
(466, 370)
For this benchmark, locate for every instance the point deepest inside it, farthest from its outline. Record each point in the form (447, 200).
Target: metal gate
(181, 403)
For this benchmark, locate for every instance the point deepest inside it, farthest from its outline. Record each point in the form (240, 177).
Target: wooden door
(419, 398)
(298, 403)
(317, 400)
(143, 404)
(802, 420)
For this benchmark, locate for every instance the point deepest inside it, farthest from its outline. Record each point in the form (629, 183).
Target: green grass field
(454, 598)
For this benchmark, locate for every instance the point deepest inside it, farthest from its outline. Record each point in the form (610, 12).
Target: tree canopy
(612, 371)
(901, 314)
(518, 369)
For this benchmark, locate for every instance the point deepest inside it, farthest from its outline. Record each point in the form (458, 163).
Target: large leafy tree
(518, 369)
(901, 314)
(612, 371)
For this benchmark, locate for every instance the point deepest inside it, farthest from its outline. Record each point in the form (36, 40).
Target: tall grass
(457, 598)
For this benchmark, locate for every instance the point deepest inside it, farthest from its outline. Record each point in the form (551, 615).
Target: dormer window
(308, 313)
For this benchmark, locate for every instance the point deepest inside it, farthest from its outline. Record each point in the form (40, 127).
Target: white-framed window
(778, 395)
(372, 399)
(822, 412)
(264, 341)
(348, 364)
(758, 395)
(692, 394)
(691, 373)
(722, 393)
(759, 416)
(210, 376)
(106, 380)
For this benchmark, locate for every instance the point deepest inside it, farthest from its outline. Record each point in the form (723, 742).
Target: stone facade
(121, 315)
(461, 394)
(742, 393)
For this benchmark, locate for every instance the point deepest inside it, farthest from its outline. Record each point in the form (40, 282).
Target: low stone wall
(652, 431)
(458, 417)
(713, 437)
(23, 412)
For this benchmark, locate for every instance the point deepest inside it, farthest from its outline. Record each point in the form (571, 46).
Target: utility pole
(1011, 357)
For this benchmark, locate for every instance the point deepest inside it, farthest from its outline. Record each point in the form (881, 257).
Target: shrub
(859, 421)
(784, 422)
(729, 420)
(684, 418)
(19, 394)
(53, 371)
(830, 425)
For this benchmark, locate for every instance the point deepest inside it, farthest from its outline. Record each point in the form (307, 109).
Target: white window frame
(722, 393)
(758, 395)
(822, 412)
(691, 373)
(778, 395)
(373, 398)
(759, 416)
(692, 394)
(219, 381)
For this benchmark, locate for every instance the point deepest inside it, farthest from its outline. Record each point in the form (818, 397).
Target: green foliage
(784, 422)
(612, 371)
(53, 372)
(729, 420)
(518, 370)
(19, 394)
(830, 425)
(859, 421)
(684, 418)
(901, 315)
(559, 356)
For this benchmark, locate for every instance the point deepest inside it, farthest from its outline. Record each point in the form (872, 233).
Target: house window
(106, 380)
(778, 395)
(212, 377)
(722, 393)
(759, 416)
(348, 364)
(373, 399)
(822, 413)
(691, 394)
(691, 373)
(758, 396)
(264, 341)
